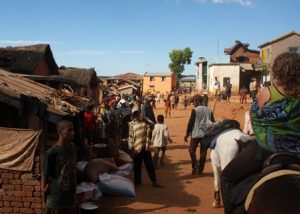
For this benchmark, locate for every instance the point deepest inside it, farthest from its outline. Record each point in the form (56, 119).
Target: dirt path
(182, 192)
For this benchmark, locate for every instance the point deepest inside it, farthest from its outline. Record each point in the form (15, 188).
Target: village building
(201, 73)
(113, 88)
(289, 42)
(128, 90)
(30, 111)
(187, 82)
(136, 78)
(225, 72)
(164, 83)
(103, 91)
(32, 60)
(86, 78)
(128, 83)
(241, 54)
(35, 62)
(237, 67)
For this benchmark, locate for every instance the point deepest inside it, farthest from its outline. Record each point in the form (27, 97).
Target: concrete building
(289, 42)
(159, 82)
(201, 73)
(224, 72)
(187, 81)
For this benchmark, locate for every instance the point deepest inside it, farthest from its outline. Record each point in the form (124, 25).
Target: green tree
(179, 58)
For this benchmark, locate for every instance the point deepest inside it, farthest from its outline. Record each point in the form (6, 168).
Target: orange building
(159, 82)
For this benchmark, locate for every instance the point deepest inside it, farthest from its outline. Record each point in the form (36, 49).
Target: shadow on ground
(153, 199)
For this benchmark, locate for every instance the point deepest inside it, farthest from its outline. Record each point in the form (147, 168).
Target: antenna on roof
(218, 49)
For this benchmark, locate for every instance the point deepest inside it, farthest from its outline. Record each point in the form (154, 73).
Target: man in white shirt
(216, 87)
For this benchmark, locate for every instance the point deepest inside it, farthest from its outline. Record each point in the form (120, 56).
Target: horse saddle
(278, 164)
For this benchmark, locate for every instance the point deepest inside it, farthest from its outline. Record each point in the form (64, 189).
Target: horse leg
(217, 196)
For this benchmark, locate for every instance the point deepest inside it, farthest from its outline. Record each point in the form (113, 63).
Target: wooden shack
(26, 104)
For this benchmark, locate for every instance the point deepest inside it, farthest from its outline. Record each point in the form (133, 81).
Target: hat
(122, 101)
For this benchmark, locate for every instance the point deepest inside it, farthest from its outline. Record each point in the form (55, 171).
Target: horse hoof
(216, 205)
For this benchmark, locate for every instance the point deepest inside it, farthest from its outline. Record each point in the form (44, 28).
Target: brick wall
(253, 57)
(20, 192)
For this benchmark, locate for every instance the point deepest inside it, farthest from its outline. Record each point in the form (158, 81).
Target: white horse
(225, 150)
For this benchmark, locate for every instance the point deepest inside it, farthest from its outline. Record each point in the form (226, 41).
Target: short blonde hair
(286, 72)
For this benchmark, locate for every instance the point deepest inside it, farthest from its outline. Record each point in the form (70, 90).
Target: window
(152, 79)
(242, 59)
(163, 79)
(225, 80)
(294, 49)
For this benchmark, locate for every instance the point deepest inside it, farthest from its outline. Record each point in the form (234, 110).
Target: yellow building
(163, 83)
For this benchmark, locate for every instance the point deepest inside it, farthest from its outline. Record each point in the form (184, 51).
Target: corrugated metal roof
(14, 85)
(127, 86)
(188, 78)
(147, 74)
(279, 38)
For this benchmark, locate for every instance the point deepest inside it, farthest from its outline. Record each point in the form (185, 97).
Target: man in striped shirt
(138, 132)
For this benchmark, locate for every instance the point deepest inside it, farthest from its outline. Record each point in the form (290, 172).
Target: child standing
(243, 95)
(168, 107)
(160, 139)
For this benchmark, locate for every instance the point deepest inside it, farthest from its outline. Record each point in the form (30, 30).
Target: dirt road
(182, 192)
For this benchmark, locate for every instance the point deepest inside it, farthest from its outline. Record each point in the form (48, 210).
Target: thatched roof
(82, 76)
(24, 59)
(59, 102)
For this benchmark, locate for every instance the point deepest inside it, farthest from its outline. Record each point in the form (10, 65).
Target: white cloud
(95, 52)
(26, 42)
(82, 52)
(245, 3)
(130, 51)
(199, 1)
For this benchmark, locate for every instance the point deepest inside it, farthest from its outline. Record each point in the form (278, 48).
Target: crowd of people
(133, 118)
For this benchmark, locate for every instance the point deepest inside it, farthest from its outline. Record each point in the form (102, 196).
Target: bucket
(89, 208)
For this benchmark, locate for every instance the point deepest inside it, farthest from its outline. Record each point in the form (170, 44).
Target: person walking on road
(138, 139)
(201, 117)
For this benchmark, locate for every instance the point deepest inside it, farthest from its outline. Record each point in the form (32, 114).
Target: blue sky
(118, 36)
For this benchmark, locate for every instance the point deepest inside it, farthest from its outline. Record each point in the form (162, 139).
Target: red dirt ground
(182, 192)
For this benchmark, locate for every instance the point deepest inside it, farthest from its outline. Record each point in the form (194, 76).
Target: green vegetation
(179, 58)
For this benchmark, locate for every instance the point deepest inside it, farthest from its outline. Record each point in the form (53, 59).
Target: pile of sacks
(105, 175)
